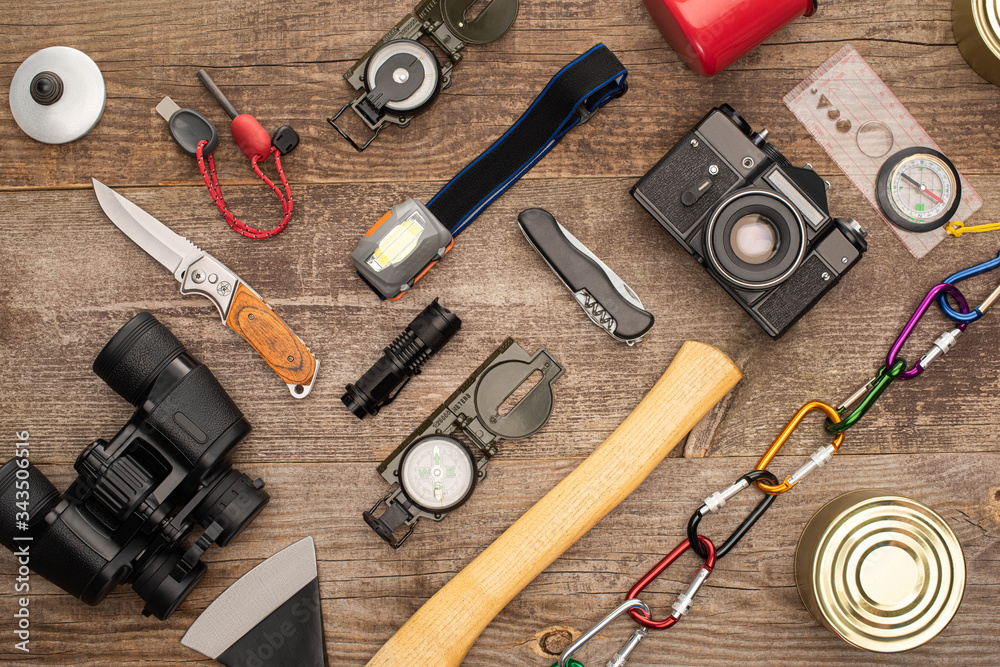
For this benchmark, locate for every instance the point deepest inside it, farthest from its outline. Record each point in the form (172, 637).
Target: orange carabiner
(786, 433)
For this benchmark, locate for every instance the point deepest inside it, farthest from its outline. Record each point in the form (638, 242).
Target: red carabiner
(683, 603)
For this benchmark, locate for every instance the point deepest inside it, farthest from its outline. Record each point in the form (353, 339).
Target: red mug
(710, 35)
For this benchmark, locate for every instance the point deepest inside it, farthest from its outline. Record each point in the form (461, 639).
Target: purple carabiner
(936, 291)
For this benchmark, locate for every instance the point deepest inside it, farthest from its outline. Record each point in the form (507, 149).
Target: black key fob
(188, 127)
(285, 139)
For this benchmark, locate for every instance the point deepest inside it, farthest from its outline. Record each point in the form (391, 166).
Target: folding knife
(605, 298)
(241, 308)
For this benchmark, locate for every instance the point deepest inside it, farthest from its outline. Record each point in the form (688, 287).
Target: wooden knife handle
(278, 345)
(443, 630)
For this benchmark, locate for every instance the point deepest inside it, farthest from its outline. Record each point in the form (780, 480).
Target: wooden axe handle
(443, 630)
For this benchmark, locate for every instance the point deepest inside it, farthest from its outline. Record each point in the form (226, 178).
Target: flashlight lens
(398, 244)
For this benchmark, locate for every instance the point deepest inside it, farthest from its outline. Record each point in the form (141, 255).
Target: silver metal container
(976, 24)
(883, 572)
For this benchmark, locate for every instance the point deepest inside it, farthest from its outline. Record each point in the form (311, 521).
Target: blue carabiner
(975, 313)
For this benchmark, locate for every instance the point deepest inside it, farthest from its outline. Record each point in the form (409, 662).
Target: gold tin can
(976, 24)
(883, 572)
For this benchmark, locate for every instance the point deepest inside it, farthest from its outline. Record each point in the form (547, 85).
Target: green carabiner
(865, 398)
(571, 663)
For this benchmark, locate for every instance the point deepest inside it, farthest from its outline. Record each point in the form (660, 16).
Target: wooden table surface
(69, 279)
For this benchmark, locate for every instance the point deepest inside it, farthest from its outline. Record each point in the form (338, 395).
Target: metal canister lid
(883, 572)
(976, 24)
(57, 95)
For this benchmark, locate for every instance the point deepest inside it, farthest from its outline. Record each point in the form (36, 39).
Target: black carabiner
(743, 528)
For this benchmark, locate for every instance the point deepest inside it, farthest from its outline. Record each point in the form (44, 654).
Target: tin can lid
(883, 572)
(976, 24)
(57, 95)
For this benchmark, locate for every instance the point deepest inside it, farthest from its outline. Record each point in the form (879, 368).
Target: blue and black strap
(573, 95)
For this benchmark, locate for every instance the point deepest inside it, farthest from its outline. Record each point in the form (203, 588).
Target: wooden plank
(284, 64)
(68, 280)
(369, 590)
(74, 279)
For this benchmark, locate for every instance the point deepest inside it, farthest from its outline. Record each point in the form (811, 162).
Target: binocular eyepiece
(137, 497)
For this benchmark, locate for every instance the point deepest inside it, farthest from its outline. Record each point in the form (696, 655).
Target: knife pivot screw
(713, 169)
(250, 316)
(198, 276)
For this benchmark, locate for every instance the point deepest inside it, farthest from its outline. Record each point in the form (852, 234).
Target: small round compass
(405, 72)
(918, 189)
(437, 473)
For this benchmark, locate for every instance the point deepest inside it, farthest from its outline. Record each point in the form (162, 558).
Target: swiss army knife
(241, 308)
(606, 299)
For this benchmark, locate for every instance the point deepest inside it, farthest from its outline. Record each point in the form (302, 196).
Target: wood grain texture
(69, 280)
(273, 340)
(445, 628)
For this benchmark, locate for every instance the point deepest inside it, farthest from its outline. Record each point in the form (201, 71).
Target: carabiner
(786, 433)
(717, 501)
(626, 607)
(936, 291)
(865, 398)
(965, 274)
(683, 603)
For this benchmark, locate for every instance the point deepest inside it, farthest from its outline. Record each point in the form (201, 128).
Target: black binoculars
(137, 497)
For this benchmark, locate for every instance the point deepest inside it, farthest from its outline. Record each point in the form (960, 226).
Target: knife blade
(606, 299)
(271, 616)
(242, 309)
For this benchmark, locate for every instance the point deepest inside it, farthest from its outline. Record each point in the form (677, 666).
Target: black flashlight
(425, 335)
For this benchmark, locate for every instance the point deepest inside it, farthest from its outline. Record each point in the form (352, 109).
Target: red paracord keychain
(255, 143)
(212, 183)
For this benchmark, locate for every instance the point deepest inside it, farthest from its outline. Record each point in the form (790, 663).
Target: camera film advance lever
(434, 473)
(606, 299)
(407, 241)
(401, 77)
(241, 308)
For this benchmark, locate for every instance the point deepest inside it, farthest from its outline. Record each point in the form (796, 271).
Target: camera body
(138, 496)
(761, 227)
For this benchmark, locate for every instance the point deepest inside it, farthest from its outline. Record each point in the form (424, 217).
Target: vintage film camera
(761, 227)
(137, 497)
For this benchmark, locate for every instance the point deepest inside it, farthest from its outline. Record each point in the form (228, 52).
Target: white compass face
(922, 188)
(437, 473)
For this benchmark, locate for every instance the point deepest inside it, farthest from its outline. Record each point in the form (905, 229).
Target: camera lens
(755, 238)
(135, 357)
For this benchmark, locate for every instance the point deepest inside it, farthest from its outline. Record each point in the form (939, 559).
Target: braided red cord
(212, 183)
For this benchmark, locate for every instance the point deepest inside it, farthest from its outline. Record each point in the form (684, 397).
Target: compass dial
(919, 189)
(437, 473)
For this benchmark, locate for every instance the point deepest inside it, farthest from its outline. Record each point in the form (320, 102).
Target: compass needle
(909, 179)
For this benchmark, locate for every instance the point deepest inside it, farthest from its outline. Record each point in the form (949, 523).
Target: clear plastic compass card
(885, 152)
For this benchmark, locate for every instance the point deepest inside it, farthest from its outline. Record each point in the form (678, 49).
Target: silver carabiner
(622, 609)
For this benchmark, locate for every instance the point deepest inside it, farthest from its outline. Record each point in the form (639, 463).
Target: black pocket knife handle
(580, 273)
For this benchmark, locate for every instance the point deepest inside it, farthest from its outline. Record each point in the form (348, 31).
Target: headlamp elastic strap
(573, 95)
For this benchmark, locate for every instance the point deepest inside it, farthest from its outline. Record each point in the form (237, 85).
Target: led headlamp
(408, 240)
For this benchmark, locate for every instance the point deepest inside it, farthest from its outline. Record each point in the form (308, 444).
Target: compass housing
(895, 189)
